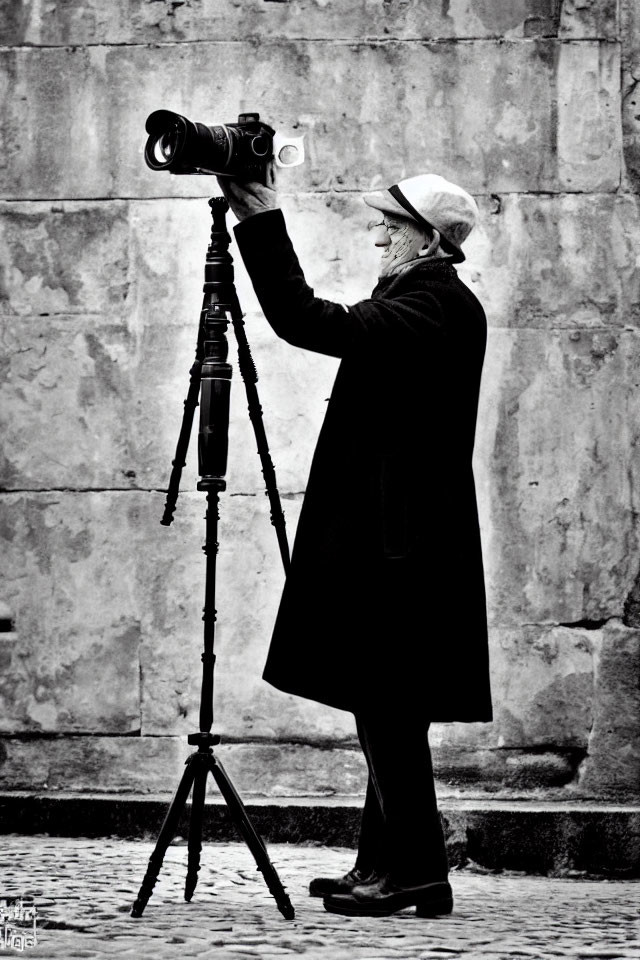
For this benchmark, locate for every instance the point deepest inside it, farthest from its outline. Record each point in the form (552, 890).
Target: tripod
(210, 380)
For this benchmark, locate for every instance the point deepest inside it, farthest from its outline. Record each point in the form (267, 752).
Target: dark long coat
(384, 603)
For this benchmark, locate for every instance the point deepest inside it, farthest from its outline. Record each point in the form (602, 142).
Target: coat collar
(423, 271)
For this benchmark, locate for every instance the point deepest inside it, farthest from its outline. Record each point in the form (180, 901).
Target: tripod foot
(241, 819)
(195, 832)
(146, 889)
(167, 833)
(286, 908)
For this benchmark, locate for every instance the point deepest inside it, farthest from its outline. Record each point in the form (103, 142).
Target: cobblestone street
(84, 890)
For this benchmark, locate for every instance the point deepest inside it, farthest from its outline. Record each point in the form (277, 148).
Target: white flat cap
(431, 201)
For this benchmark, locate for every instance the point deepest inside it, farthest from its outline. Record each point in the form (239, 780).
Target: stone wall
(532, 106)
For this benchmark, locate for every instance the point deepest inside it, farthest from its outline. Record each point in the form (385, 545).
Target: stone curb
(557, 839)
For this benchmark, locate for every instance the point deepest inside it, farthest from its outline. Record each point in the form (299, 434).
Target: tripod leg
(250, 378)
(195, 831)
(166, 835)
(254, 842)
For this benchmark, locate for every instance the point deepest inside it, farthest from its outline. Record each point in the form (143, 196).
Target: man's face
(401, 240)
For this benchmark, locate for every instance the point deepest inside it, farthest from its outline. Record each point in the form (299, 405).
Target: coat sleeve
(307, 321)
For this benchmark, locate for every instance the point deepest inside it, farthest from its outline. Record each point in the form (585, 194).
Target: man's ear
(431, 245)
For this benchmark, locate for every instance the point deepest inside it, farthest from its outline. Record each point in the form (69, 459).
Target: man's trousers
(401, 833)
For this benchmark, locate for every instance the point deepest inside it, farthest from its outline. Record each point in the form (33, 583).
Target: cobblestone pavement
(84, 890)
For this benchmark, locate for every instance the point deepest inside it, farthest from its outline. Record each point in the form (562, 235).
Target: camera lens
(165, 145)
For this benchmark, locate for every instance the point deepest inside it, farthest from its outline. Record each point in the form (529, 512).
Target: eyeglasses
(382, 223)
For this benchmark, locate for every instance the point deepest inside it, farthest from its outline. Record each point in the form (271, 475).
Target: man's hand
(247, 198)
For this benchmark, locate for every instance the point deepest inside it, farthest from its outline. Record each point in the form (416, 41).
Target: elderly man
(383, 611)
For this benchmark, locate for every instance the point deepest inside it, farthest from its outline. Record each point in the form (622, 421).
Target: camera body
(242, 150)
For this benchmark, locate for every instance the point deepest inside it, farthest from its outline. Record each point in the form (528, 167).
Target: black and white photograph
(320, 479)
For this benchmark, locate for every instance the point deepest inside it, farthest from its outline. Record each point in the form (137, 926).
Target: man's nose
(381, 236)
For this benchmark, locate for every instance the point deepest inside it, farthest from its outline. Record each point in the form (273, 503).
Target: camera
(243, 149)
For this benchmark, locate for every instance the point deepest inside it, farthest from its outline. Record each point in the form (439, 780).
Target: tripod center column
(213, 439)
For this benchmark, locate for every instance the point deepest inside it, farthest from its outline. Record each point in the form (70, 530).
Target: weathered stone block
(542, 683)
(63, 258)
(612, 764)
(93, 764)
(588, 18)
(630, 32)
(78, 22)
(67, 577)
(563, 261)
(510, 773)
(588, 104)
(544, 116)
(630, 35)
(554, 462)
(78, 410)
(60, 102)
(294, 770)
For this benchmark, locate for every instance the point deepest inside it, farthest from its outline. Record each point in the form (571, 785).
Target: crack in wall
(35, 735)
(631, 611)
(305, 194)
(286, 495)
(587, 624)
(494, 39)
(579, 771)
(575, 753)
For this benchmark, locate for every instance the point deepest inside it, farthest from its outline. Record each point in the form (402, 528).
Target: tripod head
(218, 269)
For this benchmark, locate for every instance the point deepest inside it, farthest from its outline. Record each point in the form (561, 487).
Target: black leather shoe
(323, 886)
(383, 898)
